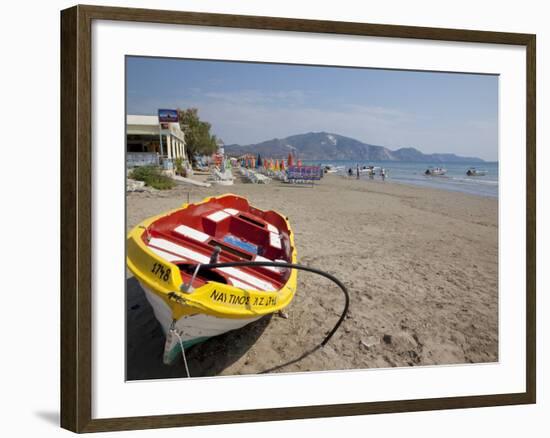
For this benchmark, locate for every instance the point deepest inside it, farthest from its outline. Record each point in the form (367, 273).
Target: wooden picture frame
(76, 217)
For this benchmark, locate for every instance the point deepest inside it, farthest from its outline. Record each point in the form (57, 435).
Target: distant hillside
(324, 146)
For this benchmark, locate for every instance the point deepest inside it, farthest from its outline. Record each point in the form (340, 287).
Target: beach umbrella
(289, 162)
(259, 161)
(282, 164)
(277, 165)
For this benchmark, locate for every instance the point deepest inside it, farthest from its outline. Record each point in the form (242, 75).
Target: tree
(198, 140)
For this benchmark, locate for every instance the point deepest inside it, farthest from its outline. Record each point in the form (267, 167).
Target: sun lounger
(223, 178)
(254, 177)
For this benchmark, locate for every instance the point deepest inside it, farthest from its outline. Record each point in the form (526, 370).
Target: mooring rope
(182, 351)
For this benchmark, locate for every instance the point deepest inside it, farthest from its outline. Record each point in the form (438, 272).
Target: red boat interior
(242, 233)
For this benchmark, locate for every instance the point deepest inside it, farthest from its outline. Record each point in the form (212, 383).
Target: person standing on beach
(383, 174)
(357, 171)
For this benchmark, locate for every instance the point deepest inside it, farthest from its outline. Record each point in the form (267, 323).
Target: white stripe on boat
(272, 228)
(275, 240)
(254, 281)
(166, 245)
(166, 255)
(218, 216)
(231, 211)
(186, 231)
(263, 259)
(179, 250)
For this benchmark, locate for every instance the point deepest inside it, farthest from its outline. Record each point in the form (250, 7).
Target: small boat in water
(193, 304)
(435, 171)
(370, 170)
(472, 171)
(329, 168)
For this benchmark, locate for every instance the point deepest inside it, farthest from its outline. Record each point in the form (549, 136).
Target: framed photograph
(269, 218)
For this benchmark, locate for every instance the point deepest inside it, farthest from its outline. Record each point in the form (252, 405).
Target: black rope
(299, 267)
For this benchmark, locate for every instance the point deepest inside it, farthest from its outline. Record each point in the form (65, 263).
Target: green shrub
(178, 164)
(153, 177)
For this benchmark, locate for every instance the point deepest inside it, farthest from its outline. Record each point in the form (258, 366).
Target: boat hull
(476, 173)
(192, 329)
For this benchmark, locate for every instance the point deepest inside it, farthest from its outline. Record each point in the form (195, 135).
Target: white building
(145, 135)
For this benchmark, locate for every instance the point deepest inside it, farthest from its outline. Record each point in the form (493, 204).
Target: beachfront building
(149, 142)
(219, 156)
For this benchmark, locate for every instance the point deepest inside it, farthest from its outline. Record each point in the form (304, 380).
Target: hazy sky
(249, 103)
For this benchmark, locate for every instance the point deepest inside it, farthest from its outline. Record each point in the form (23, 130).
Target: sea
(412, 173)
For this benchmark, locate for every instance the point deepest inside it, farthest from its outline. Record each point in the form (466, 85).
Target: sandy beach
(421, 266)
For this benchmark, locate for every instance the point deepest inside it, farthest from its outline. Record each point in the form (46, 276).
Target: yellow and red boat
(165, 253)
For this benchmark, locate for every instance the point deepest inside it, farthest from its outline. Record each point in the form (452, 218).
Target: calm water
(455, 179)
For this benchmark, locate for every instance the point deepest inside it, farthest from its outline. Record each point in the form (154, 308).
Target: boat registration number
(161, 271)
(243, 300)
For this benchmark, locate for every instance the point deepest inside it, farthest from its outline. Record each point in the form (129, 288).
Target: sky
(249, 103)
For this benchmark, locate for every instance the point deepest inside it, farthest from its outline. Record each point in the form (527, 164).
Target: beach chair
(222, 178)
(262, 179)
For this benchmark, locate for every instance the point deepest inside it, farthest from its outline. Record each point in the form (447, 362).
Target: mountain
(324, 146)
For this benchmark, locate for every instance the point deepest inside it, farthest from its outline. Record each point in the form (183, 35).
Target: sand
(421, 266)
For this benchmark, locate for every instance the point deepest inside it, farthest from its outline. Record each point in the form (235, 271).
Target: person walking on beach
(357, 170)
(383, 174)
